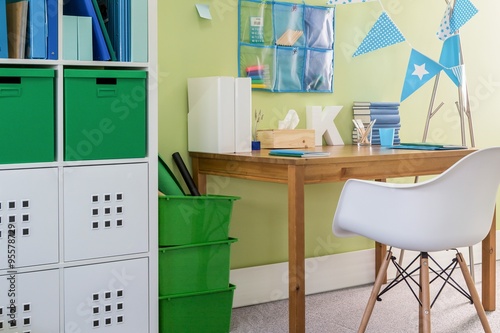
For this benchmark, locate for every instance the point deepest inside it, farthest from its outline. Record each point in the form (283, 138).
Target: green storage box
(207, 312)
(104, 114)
(193, 219)
(27, 115)
(194, 267)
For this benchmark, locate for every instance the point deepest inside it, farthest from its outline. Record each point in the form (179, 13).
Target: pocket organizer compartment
(286, 47)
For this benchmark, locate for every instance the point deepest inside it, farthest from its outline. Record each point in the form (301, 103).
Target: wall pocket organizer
(286, 47)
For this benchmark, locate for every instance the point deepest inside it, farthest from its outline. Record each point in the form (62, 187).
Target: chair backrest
(454, 209)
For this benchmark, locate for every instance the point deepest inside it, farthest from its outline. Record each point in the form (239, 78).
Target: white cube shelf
(36, 299)
(105, 205)
(29, 217)
(111, 297)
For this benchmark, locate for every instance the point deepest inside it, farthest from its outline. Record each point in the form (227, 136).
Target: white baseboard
(267, 283)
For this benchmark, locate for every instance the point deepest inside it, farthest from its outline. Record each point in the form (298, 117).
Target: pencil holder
(364, 136)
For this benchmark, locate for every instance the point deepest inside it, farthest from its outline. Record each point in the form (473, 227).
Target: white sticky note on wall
(204, 11)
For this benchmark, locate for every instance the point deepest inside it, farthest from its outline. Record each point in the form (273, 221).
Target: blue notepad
(297, 153)
(426, 146)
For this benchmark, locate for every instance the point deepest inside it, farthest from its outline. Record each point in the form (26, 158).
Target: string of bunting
(420, 68)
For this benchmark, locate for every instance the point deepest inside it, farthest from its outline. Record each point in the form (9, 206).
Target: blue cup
(387, 136)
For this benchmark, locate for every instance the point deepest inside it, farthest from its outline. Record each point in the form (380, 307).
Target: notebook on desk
(297, 153)
(427, 146)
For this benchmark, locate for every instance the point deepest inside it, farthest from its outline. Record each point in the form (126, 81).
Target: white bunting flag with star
(420, 70)
(455, 18)
(444, 28)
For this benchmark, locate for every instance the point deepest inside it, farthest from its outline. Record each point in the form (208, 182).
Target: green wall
(193, 47)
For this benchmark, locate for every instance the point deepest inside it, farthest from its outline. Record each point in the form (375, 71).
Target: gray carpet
(341, 311)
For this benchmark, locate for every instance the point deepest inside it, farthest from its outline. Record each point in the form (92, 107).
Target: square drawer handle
(10, 92)
(106, 92)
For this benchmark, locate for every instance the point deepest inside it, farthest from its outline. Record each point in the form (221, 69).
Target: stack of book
(386, 115)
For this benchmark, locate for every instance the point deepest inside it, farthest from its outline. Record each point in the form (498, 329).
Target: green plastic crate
(207, 312)
(194, 268)
(104, 114)
(27, 115)
(193, 219)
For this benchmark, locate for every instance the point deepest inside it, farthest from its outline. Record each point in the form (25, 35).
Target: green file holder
(104, 114)
(27, 115)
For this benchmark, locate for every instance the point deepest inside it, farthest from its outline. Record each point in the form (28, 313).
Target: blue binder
(52, 48)
(86, 8)
(119, 27)
(36, 47)
(102, 24)
(4, 46)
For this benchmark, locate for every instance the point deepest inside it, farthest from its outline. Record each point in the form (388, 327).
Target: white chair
(452, 210)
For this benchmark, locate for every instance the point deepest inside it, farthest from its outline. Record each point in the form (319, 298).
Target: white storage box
(220, 114)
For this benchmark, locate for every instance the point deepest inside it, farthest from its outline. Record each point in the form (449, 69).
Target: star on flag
(420, 71)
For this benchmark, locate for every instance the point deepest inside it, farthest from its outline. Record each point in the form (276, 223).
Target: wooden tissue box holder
(296, 138)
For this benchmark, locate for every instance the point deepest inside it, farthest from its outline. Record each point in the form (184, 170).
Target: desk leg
(489, 268)
(296, 250)
(380, 255)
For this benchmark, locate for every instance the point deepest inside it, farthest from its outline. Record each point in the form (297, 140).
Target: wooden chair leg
(424, 319)
(381, 276)
(473, 293)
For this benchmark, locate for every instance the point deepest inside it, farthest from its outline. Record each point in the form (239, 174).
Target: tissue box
(296, 138)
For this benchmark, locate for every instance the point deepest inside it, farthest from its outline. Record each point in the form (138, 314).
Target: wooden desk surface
(344, 162)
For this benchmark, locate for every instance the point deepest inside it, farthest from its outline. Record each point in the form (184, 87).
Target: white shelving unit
(86, 237)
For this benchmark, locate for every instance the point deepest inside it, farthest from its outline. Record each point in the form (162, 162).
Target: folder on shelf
(138, 31)
(84, 38)
(102, 17)
(36, 47)
(17, 18)
(52, 27)
(119, 28)
(70, 37)
(86, 8)
(4, 47)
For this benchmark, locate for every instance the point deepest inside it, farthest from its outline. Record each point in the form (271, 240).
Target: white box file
(36, 296)
(243, 114)
(220, 117)
(29, 217)
(110, 297)
(105, 210)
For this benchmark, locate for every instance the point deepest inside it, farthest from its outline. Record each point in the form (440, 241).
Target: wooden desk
(343, 163)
